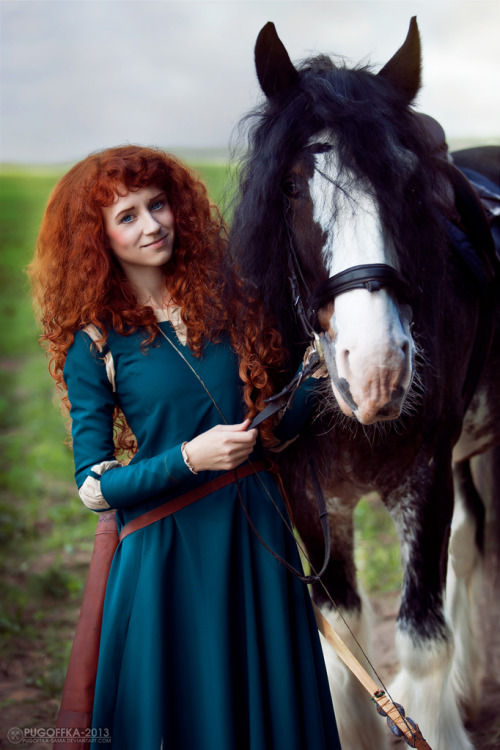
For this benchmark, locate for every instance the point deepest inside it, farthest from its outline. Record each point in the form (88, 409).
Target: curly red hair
(77, 281)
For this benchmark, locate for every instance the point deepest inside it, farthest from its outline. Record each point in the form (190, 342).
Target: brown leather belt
(78, 694)
(172, 506)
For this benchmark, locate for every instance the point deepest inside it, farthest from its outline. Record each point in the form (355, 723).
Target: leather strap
(283, 399)
(372, 276)
(325, 526)
(178, 503)
(79, 686)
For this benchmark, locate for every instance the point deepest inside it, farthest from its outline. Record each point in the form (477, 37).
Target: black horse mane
(375, 133)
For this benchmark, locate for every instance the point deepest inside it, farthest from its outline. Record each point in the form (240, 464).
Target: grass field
(46, 535)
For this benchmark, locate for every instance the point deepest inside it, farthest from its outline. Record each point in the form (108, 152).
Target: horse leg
(486, 473)
(359, 725)
(463, 587)
(422, 510)
(485, 470)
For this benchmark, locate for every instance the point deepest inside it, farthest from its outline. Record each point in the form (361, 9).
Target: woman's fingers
(222, 447)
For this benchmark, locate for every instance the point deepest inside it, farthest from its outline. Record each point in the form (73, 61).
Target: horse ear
(403, 70)
(275, 70)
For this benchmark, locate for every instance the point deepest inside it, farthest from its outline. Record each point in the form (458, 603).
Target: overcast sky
(79, 75)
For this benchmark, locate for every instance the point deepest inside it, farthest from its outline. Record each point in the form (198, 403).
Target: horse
(352, 224)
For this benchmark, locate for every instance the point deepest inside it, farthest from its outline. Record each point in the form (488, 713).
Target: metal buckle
(319, 346)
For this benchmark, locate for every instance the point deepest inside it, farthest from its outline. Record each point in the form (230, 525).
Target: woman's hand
(221, 448)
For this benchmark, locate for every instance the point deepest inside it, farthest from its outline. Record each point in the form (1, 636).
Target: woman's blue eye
(127, 218)
(157, 205)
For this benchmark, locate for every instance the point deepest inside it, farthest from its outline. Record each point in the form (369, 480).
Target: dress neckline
(173, 316)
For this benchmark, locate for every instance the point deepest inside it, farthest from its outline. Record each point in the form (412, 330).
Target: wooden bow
(399, 725)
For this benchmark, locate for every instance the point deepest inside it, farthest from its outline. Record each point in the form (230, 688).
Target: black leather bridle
(369, 276)
(372, 277)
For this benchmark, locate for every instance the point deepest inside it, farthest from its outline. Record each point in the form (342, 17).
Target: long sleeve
(296, 416)
(92, 406)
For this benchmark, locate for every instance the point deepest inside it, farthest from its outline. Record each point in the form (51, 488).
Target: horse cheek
(325, 317)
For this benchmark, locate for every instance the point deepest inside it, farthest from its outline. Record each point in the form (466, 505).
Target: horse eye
(290, 188)
(320, 148)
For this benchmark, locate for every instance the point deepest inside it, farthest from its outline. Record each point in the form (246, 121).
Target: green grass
(46, 535)
(39, 515)
(376, 549)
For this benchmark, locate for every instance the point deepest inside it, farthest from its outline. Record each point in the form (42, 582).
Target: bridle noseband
(371, 276)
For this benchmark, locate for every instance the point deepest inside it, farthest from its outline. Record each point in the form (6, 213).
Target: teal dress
(208, 642)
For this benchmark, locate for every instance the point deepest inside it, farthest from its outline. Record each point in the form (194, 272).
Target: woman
(207, 641)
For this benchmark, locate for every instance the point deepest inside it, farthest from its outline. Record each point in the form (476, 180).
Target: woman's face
(141, 228)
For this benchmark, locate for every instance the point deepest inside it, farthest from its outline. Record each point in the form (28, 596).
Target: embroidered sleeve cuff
(90, 491)
(139, 481)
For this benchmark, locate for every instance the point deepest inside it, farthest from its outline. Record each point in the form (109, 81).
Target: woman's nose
(150, 224)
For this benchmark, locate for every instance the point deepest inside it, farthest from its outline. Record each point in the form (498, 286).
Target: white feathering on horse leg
(360, 726)
(424, 688)
(463, 588)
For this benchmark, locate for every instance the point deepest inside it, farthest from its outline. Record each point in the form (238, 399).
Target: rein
(371, 277)
(280, 401)
(399, 724)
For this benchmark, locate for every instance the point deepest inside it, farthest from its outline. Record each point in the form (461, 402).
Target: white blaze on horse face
(348, 214)
(369, 348)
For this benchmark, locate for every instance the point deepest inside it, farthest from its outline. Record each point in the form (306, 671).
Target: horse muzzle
(370, 386)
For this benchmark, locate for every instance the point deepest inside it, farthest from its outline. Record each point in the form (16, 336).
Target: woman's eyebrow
(124, 211)
(160, 194)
